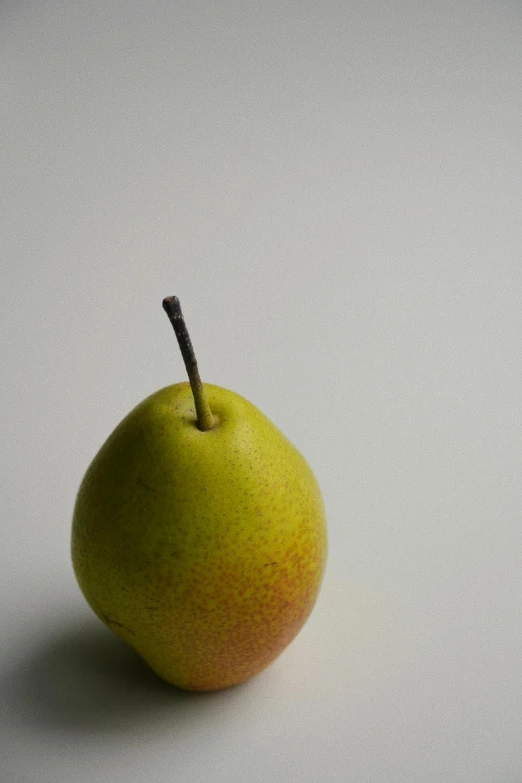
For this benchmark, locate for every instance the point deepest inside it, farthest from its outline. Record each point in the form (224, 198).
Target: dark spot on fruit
(146, 486)
(108, 621)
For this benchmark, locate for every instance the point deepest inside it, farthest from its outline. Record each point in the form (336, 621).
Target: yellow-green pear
(199, 534)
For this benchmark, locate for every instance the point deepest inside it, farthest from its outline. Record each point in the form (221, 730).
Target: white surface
(334, 191)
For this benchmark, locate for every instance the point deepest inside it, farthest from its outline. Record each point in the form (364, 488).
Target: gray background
(334, 191)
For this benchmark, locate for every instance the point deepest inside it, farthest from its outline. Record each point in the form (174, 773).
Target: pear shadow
(81, 679)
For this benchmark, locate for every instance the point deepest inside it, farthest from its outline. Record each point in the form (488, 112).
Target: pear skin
(204, 550)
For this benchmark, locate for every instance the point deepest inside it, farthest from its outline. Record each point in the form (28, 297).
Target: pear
(199, 533)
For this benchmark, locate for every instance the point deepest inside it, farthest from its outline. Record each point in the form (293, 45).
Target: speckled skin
(203, 550)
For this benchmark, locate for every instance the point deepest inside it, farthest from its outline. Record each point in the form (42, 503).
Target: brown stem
(172, 307)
